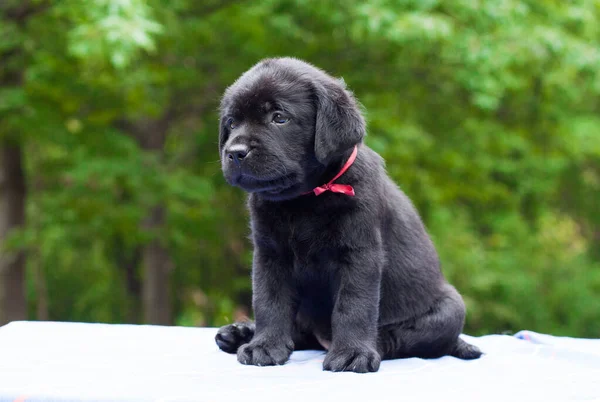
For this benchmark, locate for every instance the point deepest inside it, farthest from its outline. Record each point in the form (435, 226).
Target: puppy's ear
(339, 124)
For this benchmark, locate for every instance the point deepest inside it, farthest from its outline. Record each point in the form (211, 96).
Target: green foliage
(486, 112)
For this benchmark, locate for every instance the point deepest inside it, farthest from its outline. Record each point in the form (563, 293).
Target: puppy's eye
(231, 123)
(278, 118)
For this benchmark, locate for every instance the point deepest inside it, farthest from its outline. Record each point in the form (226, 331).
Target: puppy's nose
(237, 153)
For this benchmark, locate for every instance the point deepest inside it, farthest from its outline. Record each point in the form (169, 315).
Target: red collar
(338, 188)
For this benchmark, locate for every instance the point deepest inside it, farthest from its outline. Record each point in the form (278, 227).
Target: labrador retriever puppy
(342, 260)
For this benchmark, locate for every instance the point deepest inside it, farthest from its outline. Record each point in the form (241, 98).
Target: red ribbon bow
(338, 188)
(335, 188)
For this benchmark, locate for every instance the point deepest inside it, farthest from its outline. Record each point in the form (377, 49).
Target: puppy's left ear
(340, 124)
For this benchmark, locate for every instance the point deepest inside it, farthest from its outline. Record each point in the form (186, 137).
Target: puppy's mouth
(266, 186)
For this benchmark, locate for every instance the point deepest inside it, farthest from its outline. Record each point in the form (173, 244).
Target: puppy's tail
(465, 351)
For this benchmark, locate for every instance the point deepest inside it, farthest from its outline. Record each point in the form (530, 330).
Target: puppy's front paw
(265, 353)
(358, 359)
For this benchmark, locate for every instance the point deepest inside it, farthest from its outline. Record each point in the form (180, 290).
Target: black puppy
(341, 262)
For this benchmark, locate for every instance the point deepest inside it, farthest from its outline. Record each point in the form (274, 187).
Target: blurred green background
(113, 207)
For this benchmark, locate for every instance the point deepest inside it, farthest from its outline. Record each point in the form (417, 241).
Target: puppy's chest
(308, 239)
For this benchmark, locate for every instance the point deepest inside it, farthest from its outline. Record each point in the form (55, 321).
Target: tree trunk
(156, 262)
(13, 305)
(128, 261)
(157, 267)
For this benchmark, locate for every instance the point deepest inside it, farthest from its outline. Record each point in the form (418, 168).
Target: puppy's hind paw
(230, 337)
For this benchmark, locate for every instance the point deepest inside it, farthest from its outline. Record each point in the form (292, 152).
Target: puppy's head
(282, 123)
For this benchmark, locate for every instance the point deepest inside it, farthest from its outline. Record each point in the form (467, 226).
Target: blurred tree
(12, 215)
(13, 17)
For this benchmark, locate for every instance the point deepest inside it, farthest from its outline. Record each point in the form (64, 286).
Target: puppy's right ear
(339, 124)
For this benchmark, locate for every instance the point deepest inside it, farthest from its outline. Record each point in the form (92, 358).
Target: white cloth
(46, 361)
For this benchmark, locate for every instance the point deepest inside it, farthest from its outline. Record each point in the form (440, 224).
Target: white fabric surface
(84, 362)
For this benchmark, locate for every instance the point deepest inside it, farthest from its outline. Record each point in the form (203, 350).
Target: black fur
(357, 275)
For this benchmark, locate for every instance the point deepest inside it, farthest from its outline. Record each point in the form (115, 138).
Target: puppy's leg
(432, 335)
(275, 303)
(355, 314)
(230, 337)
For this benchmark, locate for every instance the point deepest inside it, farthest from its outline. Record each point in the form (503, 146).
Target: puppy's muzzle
(237, 153)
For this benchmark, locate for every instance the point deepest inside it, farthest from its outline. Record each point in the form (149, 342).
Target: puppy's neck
(333, 168)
